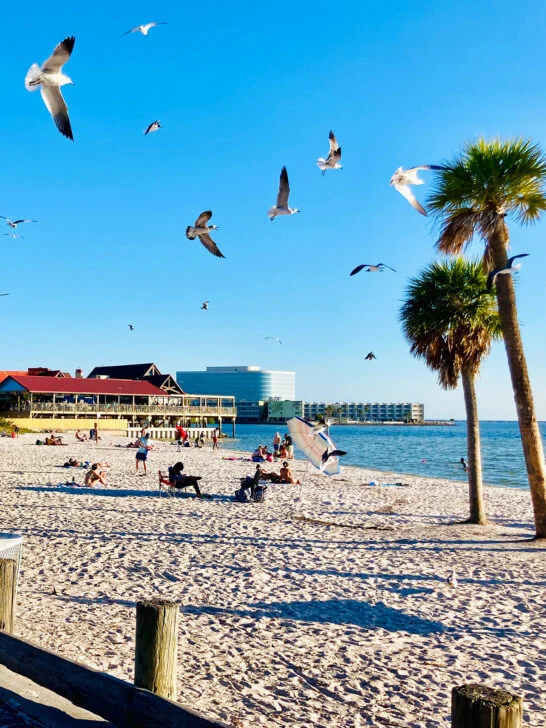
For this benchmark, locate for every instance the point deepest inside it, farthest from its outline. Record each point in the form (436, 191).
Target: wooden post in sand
(8, 583)
(156, 646)
(474, 706)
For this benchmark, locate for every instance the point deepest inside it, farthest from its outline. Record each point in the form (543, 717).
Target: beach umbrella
(312, 444)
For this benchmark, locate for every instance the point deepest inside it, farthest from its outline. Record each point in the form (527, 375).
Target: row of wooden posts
(472, 706)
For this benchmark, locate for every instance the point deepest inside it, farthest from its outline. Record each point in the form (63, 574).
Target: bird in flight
(49, 79)
(329, 455)
(154, 126)
(321, 426)
(370, 355)
(13, 223)
(4, 294)
(333, 159)
(509, 268)
(144, 29)
(205, 306)
(201, 230)
(273, 338)
(281, 208)
(379, 267)
(402, 178)
(14, 236)
(131, 327)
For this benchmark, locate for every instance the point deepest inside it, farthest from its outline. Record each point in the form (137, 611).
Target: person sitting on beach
(286, 475)
(94, 476)
(71, 463)
(257, 455)
(282, 452)
(251, 482)
(267, 455)
(80, 437)
(184, 481)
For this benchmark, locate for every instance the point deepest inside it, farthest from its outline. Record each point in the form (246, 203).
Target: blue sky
(241, 91)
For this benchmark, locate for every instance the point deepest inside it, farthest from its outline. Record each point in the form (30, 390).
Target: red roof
(4, 374)
(73, 385)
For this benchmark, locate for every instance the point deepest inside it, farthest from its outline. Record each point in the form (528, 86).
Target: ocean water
(431, 451)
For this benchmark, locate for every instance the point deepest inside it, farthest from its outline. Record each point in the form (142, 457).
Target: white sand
(284, 622)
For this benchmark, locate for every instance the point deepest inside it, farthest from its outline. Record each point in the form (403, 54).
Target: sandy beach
(326, 605)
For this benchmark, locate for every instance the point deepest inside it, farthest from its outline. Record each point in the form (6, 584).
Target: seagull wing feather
(410, 197)
(55, 104)
(358, 269)
(60, 56)
(210, 245)
(203, 218)
(284, 189)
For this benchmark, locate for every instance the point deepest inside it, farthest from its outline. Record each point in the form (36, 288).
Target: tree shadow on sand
(333, 611)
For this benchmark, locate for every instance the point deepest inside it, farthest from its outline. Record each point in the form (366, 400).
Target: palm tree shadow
(332, 611)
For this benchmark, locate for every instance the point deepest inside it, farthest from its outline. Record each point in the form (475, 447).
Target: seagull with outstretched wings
(201, 230)
(403, 178)
(370, 268)
(508, 269)
(333, 159)
(144, 29)
(281, 208)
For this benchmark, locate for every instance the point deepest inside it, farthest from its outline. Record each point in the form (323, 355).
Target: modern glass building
(245, 383)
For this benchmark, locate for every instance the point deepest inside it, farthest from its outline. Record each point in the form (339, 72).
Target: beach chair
(165, 485)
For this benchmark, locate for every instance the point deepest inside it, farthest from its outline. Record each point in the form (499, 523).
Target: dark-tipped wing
(410, 197)
(284, 189)
(203, 218)
(514, 257)
(427, 166)
(358, 269)
(53, 99)
(384, 265)
(210, 245)
(131, 31)
(18, 222)
(337, 453)
(60, 56)
(334, 147)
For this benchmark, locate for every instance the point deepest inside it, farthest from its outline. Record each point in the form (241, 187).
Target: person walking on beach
(215, 439)
(144, 446)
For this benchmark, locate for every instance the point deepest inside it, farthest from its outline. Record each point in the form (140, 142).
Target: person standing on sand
(276, 441)
(144, 446)
(215, 439)
(289, 446)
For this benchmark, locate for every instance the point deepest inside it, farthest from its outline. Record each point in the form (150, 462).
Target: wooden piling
(475, 706)
(8, 584)
(156, 646)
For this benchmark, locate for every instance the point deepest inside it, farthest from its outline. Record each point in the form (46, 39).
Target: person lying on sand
(81, 437)
(179, 480)
(71, 463)
(95, 476)
(286, 475)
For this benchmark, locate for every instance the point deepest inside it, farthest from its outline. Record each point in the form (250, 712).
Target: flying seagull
(131, 327)
(281, 208)
(4, 294)
(154, 126)
(205, 306)
(370, 355)
(13, 223)
(508, 269)
(329, 455)
(14, 236)
(402, 178)
(379, 267)
(273, 338)
(321, 426)
(49, 79)
(333, 158)
(144, 29)
(201, 230)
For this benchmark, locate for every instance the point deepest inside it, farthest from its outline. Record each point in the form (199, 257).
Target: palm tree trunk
(475, 485)
(533, 450)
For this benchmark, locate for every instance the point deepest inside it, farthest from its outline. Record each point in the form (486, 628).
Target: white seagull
(13, 223)
(333, 159)
(201, 230)
(144, 29)
(14, 236)
(378, 268)
(281, 208)
(273, 338)
(402, 178)
(154, 126)
(451, 580)
(507, 270)
(49, 79)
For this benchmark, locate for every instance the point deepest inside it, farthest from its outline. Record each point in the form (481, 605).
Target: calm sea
(432, 451)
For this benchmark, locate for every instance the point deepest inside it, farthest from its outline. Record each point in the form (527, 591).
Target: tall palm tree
(488, 182)
(450, 319)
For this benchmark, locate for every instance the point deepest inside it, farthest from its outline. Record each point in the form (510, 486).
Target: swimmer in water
(465, 466)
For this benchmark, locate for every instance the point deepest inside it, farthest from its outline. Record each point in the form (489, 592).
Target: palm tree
(450, 319)
(488, 182)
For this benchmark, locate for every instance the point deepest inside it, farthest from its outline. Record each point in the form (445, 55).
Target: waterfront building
(281, 410)
(366, 411)
(251, 386)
